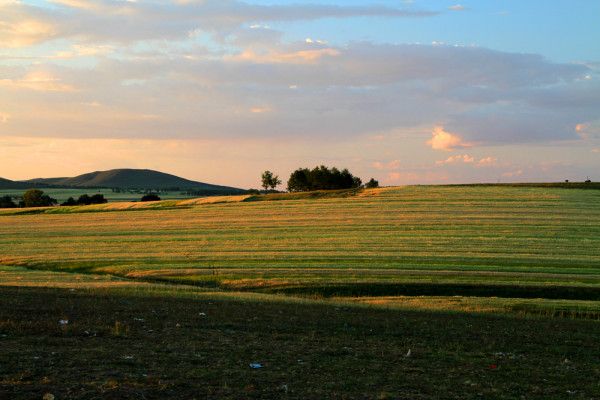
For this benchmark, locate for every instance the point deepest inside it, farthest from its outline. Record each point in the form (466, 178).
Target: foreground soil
(126, 345)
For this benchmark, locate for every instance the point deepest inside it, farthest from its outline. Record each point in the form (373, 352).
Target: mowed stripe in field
(518, 230)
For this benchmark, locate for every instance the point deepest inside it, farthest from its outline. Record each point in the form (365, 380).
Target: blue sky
(219, 90)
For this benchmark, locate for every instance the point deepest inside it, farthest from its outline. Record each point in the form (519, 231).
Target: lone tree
(269, 180)
(37, 198)
(372, 184)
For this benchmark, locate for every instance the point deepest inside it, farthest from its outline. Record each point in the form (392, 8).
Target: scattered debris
(493, 366)
(202, 314)
(139, 319)
(128, 357)
(408, 353)
(255, 365)
(63, 322)
(48, 396)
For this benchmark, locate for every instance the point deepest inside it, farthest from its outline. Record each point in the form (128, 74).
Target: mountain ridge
(127, 178)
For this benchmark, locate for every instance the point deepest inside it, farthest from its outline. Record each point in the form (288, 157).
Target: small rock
(48, 396)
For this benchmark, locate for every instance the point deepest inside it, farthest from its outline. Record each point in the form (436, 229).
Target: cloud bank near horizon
(215, 70)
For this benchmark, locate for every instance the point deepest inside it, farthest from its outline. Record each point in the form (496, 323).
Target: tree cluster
(150, 197)
(7, 202)
(322, 178)
(37, 198)
(85, 200)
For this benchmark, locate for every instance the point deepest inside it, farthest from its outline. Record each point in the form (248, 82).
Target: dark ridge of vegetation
(150, 197)
(321, 178)
(37, 198)
(7, 202)
(85, 200)
(442, 289)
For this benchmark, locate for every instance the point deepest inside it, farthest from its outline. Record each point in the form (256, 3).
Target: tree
(7, 202)
(269, 180)
(372, 184)
(37, 198)
(150, 197)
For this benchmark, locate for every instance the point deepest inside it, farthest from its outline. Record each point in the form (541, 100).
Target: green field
(470, 276)
(63, 194)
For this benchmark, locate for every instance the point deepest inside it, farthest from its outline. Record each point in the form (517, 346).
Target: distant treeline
(323, 178)
(85, 200)
(37, 198)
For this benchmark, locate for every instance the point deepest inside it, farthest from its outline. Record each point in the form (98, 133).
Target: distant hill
(8, 184)
(132, 179)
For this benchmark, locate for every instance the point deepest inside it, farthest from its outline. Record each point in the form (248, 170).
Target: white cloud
(442, 140)
(457, 7)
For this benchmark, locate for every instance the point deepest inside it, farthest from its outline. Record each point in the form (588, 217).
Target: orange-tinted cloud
(24, 33)
(39, 81)
(443, 140)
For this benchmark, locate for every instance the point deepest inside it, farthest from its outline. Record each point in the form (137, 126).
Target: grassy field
(496, 291)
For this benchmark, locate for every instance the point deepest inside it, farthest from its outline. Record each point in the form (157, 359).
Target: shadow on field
(128, 344)
(443, 289)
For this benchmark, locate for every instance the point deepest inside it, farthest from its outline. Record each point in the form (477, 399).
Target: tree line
(318, 178)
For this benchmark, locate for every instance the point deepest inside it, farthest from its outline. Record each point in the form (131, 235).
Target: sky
(407, 92)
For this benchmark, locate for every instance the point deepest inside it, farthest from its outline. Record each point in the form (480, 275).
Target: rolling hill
(131, 179)
(8, 184)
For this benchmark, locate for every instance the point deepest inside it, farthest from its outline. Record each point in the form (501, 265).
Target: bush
(7, 202)
(85, 200)
(372, 184)
(322, 178)
(37, 198)
(69, 202)
(150, 197)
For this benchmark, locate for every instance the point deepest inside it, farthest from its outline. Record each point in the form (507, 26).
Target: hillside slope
(133, 178)
(8, 184)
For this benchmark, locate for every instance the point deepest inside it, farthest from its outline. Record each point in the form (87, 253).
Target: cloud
(391, 165)
(4, 117)
(131, 21)
(465, 158)
(17, 29)
(487, 162)
(587, 131)
(443, 140)
(297, 57)
(39, 81)
(457, 7)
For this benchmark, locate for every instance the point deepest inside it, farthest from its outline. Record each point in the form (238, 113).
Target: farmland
(62, 195)
(465, 277)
